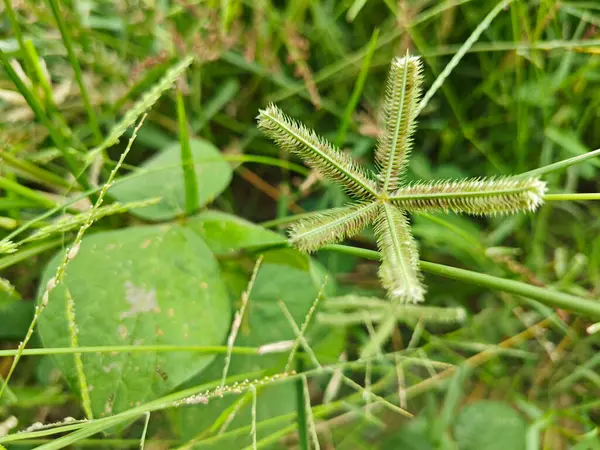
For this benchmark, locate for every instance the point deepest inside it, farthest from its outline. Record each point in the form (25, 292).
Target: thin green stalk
(209, 350)
(464, 48)
(455, 103)
(147, 100)
(145, 430)
(54, 5)
(559, 165)
(572, 197)
(545, 296)
(269, 161)
(187, 159)
(92, 427)
(301, 407)
(105, 443)
(357, 91)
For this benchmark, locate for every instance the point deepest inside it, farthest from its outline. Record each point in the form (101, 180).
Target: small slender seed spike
(477, 196)
(317, 152)
(399, 271)
(331, 226)
(402, 94)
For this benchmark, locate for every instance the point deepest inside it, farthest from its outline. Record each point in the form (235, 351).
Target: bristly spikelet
(402, 94)
(478, 196)
(399, 270)
(322, 156)
(386, 202)
(7, 247)
(331, 226)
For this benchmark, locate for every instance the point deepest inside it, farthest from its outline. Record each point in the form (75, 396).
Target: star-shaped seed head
(383, 200)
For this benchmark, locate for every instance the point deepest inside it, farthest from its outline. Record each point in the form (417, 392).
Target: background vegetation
(157, 300)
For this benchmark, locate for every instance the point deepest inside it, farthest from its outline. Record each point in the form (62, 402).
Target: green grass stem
(187, 159)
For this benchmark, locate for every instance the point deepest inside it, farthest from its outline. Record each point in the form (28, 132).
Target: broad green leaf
(155, 285)
(225, 233)
(16, 315)
(489, 425)
(162, 176)
(285, 275)
(415, 435)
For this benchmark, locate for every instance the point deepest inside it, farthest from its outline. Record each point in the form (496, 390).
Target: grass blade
(55, 7)
(39, 112)
(462, 51)
(187, 159)
(560, 165)
(357, 91)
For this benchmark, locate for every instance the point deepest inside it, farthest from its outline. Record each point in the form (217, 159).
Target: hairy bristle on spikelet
(402, 94)
(399, 271)
(322, 156)
(489, 196)
(331, 226)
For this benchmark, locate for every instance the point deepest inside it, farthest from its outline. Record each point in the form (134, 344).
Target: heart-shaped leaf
(162, 176)
(155, 285)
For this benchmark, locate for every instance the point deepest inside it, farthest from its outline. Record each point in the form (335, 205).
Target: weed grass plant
(170, 278)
